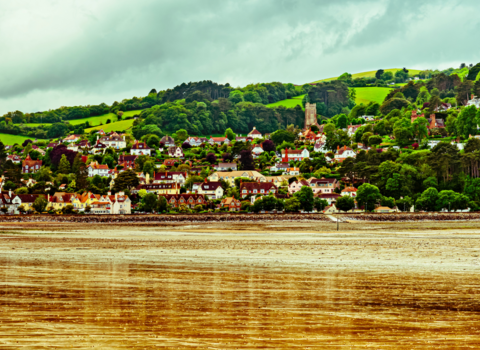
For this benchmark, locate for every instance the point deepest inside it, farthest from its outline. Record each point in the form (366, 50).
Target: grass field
(36, 124)
(290, 103)
(8, 139)
(117, 126)
(372, 74)
(367, 94)
(102, 118)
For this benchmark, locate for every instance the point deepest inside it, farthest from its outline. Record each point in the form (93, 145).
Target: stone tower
(310, 115)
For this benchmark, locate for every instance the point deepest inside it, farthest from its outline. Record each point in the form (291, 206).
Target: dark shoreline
(239, 217)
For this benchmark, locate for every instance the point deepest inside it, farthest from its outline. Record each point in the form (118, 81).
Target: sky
(57, 53)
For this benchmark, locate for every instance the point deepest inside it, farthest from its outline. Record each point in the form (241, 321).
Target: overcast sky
(65, 52)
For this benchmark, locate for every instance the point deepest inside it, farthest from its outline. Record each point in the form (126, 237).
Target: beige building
(230, 176)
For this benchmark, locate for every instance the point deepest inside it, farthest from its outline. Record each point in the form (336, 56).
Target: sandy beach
(240, 285)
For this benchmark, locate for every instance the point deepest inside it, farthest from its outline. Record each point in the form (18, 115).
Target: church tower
(310, 115)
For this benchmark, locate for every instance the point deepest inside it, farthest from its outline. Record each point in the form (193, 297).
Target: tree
(420, 129)
(404, 204)
(374, 140)
(9, 186)
(142, 193)
(181, 135)
(64, 166)
(268, 146)
(161, 205)
(393, 103)
(40, 204)
(292, 204)
(230, 134)
(305, 196)
(246, 160)
(320, 204)
(68, 209)
(388, 202)
(88, 209)
(345, 203)
(368, 195)
(26, 142)
(446, 200)
(211, 158)
(126, 180)
(3, 156)
(463, 92)
(379, 73)
(149, 202)
(57, 130)
(21, 190)
(466, 121)
(428, 199)
(279, 136)
(342, 121)
(191, 180)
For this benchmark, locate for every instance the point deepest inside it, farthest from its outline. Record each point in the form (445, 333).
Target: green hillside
(8, 139)
(102, 118)
(289, 103)
(121, 125)
(366, 94)
(372, 74)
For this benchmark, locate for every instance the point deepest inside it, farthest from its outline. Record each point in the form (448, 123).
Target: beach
(234, 285)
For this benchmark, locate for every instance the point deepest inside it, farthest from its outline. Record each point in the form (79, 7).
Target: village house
(231, 203)
(52, 144)
(213, 190)
(349, 191)
(127, 160)
(257, 188)
(98, 148)
(352, 129)
(255, 134)
(72, 147)
(115, 141)
(292, 171)
(225, 166)
(14, 158)
(6, 201)
(385, 210)
(167, 141)
(196, 141)
(24, 200)
(175, 152)
(296, 186)
(257, 150)
(474, 101)
(140, 148)
(169, 177)
(323, 185)
(329, 197)
(81, 201)
(72, 138)
(344, 153)
(320, 147)
(294, 155)
(276, 180)
(230, 176)
(59, 200)
(84, 144)
(279, 167)
(187, 199)
(159, 188)
(243, 138)
(218, 140)
(30, 166)
(112, 204)
(97, 169)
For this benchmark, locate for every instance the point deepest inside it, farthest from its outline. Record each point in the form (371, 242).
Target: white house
(257, 150)
(279, 167)
(196, 141)
(292, 171)
(175, 152)
(352, 129)
(349, 191)
(168, 141)
(218, 140)
(344, 153)
(115, 141)
(474, 101)
(140, 148)
(213, 190)
(294, 154)
(97, 169)
(226, 166)
(255, 134)
(320, 147)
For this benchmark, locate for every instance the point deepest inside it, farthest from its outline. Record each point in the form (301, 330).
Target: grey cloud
(85, 52)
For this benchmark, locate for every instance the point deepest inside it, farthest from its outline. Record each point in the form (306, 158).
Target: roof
(209, 186)
(322, 181)
(28, 198)
(140, 145)
(167, 139)
(254, 132)
(218, 139)
(250, 186)
(292, 151)
(158, 186)
(349, 189)
(95, 165)
(226, 165)
(127, 157)
(329, 195)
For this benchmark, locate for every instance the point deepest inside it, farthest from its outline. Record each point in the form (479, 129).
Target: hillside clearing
(8, 139)
(367, 94)
(94, 121)
(117, 126)
(289, 103)
(372, 74)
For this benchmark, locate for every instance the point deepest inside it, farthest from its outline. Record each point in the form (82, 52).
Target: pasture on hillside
(372, 74)
(117, 126)
(289, 103)
(94, 121)
(8, 139)
(366, 94)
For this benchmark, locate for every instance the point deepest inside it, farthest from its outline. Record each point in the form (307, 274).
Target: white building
(294, 154)
(115, 141)
(140, 148)
(97, 169)
(255, 134)
(344, 153)
(175, 152)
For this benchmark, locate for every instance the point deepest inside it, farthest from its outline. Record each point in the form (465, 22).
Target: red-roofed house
(140, 148)
(218, 140)
(294, 154)
(349, 191)
(257, 188)
(30, 166)
(255, 134)
(97, 169)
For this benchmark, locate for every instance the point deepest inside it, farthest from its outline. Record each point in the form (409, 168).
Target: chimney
(109, 193)
(10, 193)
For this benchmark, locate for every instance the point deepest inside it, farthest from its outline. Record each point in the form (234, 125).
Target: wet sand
(240, 286)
